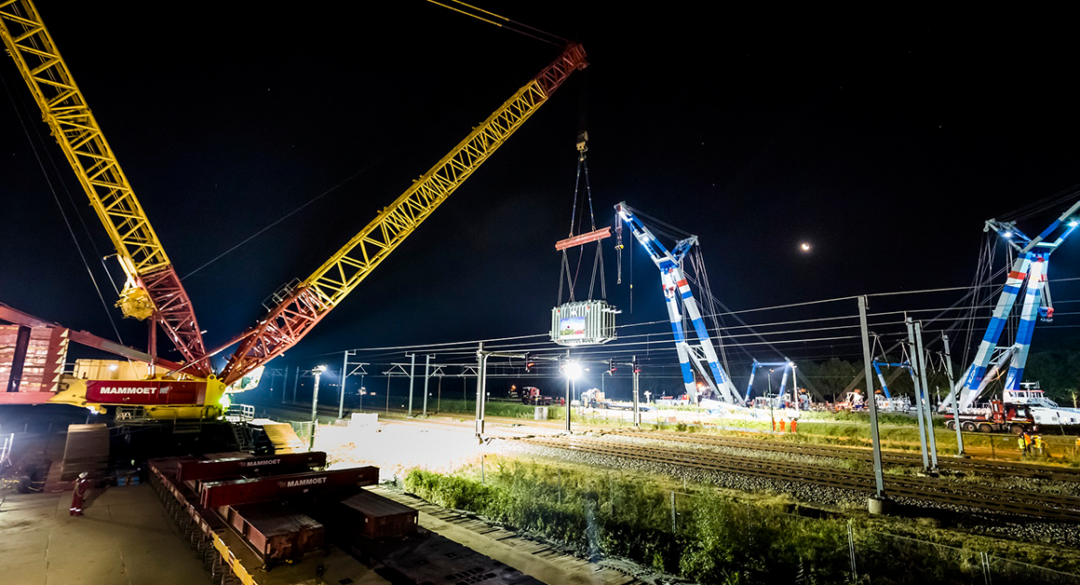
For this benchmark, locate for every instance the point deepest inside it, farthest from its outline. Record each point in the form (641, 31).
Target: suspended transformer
(589, 322)
(583, 323)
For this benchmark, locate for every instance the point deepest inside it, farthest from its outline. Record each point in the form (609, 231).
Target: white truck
(1027, 409)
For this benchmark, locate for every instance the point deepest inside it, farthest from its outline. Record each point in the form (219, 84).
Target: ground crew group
(1032, 445)
(783, 421)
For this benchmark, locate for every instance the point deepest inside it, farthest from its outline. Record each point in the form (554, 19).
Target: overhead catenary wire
(508, 24)
(540, 336)
(282, 218)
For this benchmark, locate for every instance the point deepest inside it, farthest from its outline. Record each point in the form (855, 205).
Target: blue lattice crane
(787, 365)
(1028, 273)
(678, 296)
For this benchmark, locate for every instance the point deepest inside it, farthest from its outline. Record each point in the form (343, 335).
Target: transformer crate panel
(583, 323)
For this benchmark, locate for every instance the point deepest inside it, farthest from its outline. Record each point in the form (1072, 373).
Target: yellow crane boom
(153, 288)
(307, 303)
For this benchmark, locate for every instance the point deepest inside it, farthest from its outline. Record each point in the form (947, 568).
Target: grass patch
(712, 537)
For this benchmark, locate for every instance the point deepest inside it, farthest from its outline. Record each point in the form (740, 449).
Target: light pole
(317, 371)
(344, 376)
(771, 415)
(572, 372)
(637, 407)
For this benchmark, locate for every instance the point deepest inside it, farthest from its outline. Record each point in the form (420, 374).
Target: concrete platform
(123, 538)
(535, 560)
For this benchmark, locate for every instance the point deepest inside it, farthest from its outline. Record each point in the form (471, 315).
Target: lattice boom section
(282, 329)
(338, 276)
(77, 131)
(294, 317)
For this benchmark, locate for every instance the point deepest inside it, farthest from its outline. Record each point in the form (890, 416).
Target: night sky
(884, 139)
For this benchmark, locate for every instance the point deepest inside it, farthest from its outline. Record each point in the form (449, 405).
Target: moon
(805, 246)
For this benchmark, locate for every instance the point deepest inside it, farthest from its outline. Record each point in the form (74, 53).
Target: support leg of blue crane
(723, 383)
(976, 373)
(783, 381)
(1028, 316)
(753, 372)
(675, 316)
(881, 378)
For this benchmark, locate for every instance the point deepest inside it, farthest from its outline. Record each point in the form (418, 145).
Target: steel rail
(1009, 501)
(1028, 470)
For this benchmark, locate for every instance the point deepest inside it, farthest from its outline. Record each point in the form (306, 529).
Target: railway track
(1010, 501)
(977, 466)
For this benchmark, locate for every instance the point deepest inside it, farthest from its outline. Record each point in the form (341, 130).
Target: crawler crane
(153, 291)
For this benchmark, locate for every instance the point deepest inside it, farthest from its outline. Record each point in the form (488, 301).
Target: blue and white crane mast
(678, 296)
(788, 366)
(1028, 271)
(881, 377)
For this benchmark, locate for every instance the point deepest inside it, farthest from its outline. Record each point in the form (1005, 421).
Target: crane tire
(986, 428)
(1017, 429)
(968, 426)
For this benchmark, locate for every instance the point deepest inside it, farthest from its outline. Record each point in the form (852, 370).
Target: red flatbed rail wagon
(275, 531)
(246, 491)
(234, 467)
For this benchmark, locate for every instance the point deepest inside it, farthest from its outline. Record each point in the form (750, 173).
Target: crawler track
(941, 491)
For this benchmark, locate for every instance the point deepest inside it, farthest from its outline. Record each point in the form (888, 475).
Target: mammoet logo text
(260, 462)
(303, 482)
(121, 390)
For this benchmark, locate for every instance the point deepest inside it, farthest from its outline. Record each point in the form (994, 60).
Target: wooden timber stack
(87, 450)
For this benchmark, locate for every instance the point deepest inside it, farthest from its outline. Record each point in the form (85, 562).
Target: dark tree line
(1057, 371)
